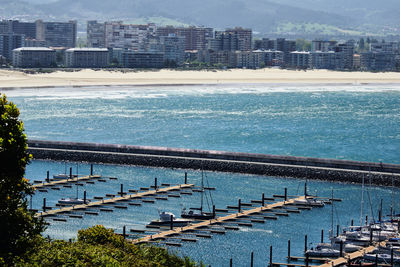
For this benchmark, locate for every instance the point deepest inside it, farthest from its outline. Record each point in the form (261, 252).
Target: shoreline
(11, 79)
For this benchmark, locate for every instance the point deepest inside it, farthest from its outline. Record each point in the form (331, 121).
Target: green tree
(303, 45)
(20, 229)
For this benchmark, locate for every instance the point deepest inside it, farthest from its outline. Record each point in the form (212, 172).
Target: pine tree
(19, 228)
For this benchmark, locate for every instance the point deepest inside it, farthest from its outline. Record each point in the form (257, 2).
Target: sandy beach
(16, 79)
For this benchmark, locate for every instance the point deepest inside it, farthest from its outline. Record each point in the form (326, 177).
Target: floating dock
(213, 222)
(113, 200)
(65, 181)
(352, 256)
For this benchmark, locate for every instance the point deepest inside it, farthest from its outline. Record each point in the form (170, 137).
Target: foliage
(303, 45)
(20, 228)
(98, 246)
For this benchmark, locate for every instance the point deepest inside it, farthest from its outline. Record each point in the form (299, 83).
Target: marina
(282, 120)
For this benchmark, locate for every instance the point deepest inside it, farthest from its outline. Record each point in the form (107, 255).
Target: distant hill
(264, 16)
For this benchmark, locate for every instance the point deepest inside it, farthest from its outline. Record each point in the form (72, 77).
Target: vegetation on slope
(21, 243)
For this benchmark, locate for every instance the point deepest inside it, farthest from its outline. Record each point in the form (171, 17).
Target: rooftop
(86, 49)
(33, 49)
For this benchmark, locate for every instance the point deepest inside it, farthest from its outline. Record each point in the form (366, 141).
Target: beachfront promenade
(261, 164)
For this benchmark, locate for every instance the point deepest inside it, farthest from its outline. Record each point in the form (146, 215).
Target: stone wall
(171, 160)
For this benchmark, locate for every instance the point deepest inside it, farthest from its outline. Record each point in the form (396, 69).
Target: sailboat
(74, 201)
(198, 214)
(165, 219)
(62, 176)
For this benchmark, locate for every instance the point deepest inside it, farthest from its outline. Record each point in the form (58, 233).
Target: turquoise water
(346, 122)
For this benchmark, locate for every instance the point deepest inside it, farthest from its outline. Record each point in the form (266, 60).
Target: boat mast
(202, 191)
(362, 201)
(331, 233)
(391, 204)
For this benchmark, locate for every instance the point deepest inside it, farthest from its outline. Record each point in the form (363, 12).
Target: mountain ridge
(264, 16)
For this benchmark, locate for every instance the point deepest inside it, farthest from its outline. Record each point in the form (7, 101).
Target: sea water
(344, 122)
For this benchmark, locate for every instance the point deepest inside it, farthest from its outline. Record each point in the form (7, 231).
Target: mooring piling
(91, 169)
(341, 248)
(44, 204)
(270, 256)
(288, 249)
(252, 259)
(48, 177)
(322, 236)
(122, 190)
(70, 173)
(305, 243)
(185, 177)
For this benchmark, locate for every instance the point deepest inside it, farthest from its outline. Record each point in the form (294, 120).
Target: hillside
(264, 16)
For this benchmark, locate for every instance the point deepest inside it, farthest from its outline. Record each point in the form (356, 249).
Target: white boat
(62, 176)
(73, 201)
(323, 250)
(381, 258)
(309, 202)
(165, 219)
(198, 213)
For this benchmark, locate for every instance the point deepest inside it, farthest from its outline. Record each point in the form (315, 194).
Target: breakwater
(262, 164)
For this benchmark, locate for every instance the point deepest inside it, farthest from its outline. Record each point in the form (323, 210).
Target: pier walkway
(351, 256)
(65, 181)
(218, 220)
(113, 200)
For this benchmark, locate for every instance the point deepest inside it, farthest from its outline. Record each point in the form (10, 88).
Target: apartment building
(87, 58)
(173, 47)
(134, 59)
(33, 57)
(237, 39)
(8, 42)
(196, 38)
(57, 34)
(96, 34)
(129, 36)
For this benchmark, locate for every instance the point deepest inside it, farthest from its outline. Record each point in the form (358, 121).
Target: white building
(129, 36)
(87, 58)
(34, 57)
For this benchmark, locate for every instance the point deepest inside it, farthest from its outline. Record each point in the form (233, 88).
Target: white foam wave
(122, 92)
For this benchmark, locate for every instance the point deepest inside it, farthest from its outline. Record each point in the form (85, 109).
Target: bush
(98, 246)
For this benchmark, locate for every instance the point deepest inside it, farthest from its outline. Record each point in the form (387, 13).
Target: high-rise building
(8, 42)
(327, 60)
(385, 47)
(196, 38)
(286, 46)
(301, 60)
(347, 49)
(234, 39)
(264, 44)
(377, 61)
(323, 46)
(173, 48)
(129, 36)
(57, 34)
(28, 29)
(96, 34)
